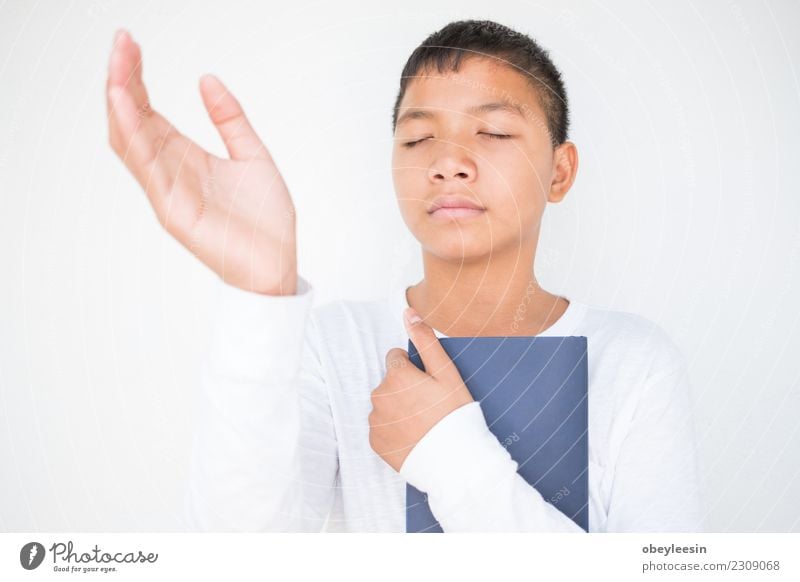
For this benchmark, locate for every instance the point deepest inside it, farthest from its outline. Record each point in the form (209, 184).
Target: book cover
(533, 392)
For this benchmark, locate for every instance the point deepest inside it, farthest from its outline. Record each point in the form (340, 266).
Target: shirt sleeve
(472, 482)
(264, 453)
(656, 479)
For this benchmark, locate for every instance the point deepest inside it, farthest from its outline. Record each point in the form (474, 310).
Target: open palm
(236, 215)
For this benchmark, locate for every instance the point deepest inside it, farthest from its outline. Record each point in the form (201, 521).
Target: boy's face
(511, 179)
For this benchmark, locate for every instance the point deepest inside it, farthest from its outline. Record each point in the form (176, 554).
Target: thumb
(436, 361)
(240, 138)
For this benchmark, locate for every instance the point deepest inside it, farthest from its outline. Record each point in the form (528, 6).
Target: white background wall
(686, 210)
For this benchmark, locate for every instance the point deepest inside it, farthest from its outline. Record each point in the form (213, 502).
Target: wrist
(287, 285)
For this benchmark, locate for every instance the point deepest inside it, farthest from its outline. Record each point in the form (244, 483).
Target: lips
(456, 213)
(447, 202)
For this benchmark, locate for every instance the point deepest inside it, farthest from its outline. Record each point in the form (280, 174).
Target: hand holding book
(409, 401)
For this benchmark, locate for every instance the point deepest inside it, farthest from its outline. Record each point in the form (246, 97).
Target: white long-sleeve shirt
(282, 438)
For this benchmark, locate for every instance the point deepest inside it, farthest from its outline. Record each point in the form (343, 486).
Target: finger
(125, 73)
(240, 138)
(125, 69)
(397, 359)
(133, 143)
(436, 361)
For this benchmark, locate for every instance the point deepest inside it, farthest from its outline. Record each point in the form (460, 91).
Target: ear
(565, 167)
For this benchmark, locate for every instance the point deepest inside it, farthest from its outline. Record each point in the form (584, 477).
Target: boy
(314, 415)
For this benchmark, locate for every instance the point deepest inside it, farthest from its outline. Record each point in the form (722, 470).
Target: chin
(459, 247)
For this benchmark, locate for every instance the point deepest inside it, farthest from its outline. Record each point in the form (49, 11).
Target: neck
(498, 296)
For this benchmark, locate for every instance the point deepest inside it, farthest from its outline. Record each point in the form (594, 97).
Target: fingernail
(411, 316)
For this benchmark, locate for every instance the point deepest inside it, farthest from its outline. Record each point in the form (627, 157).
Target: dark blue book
(533, 392)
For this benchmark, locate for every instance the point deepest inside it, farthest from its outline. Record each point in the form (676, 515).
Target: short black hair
(446, 48)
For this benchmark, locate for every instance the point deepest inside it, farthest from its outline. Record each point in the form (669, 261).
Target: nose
(452, 163)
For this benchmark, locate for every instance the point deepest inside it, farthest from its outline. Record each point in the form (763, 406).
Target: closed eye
(411, 144)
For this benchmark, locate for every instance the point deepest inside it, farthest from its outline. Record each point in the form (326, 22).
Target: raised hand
(236, 215)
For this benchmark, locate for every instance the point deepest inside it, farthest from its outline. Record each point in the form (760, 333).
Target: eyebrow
(503, 106)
